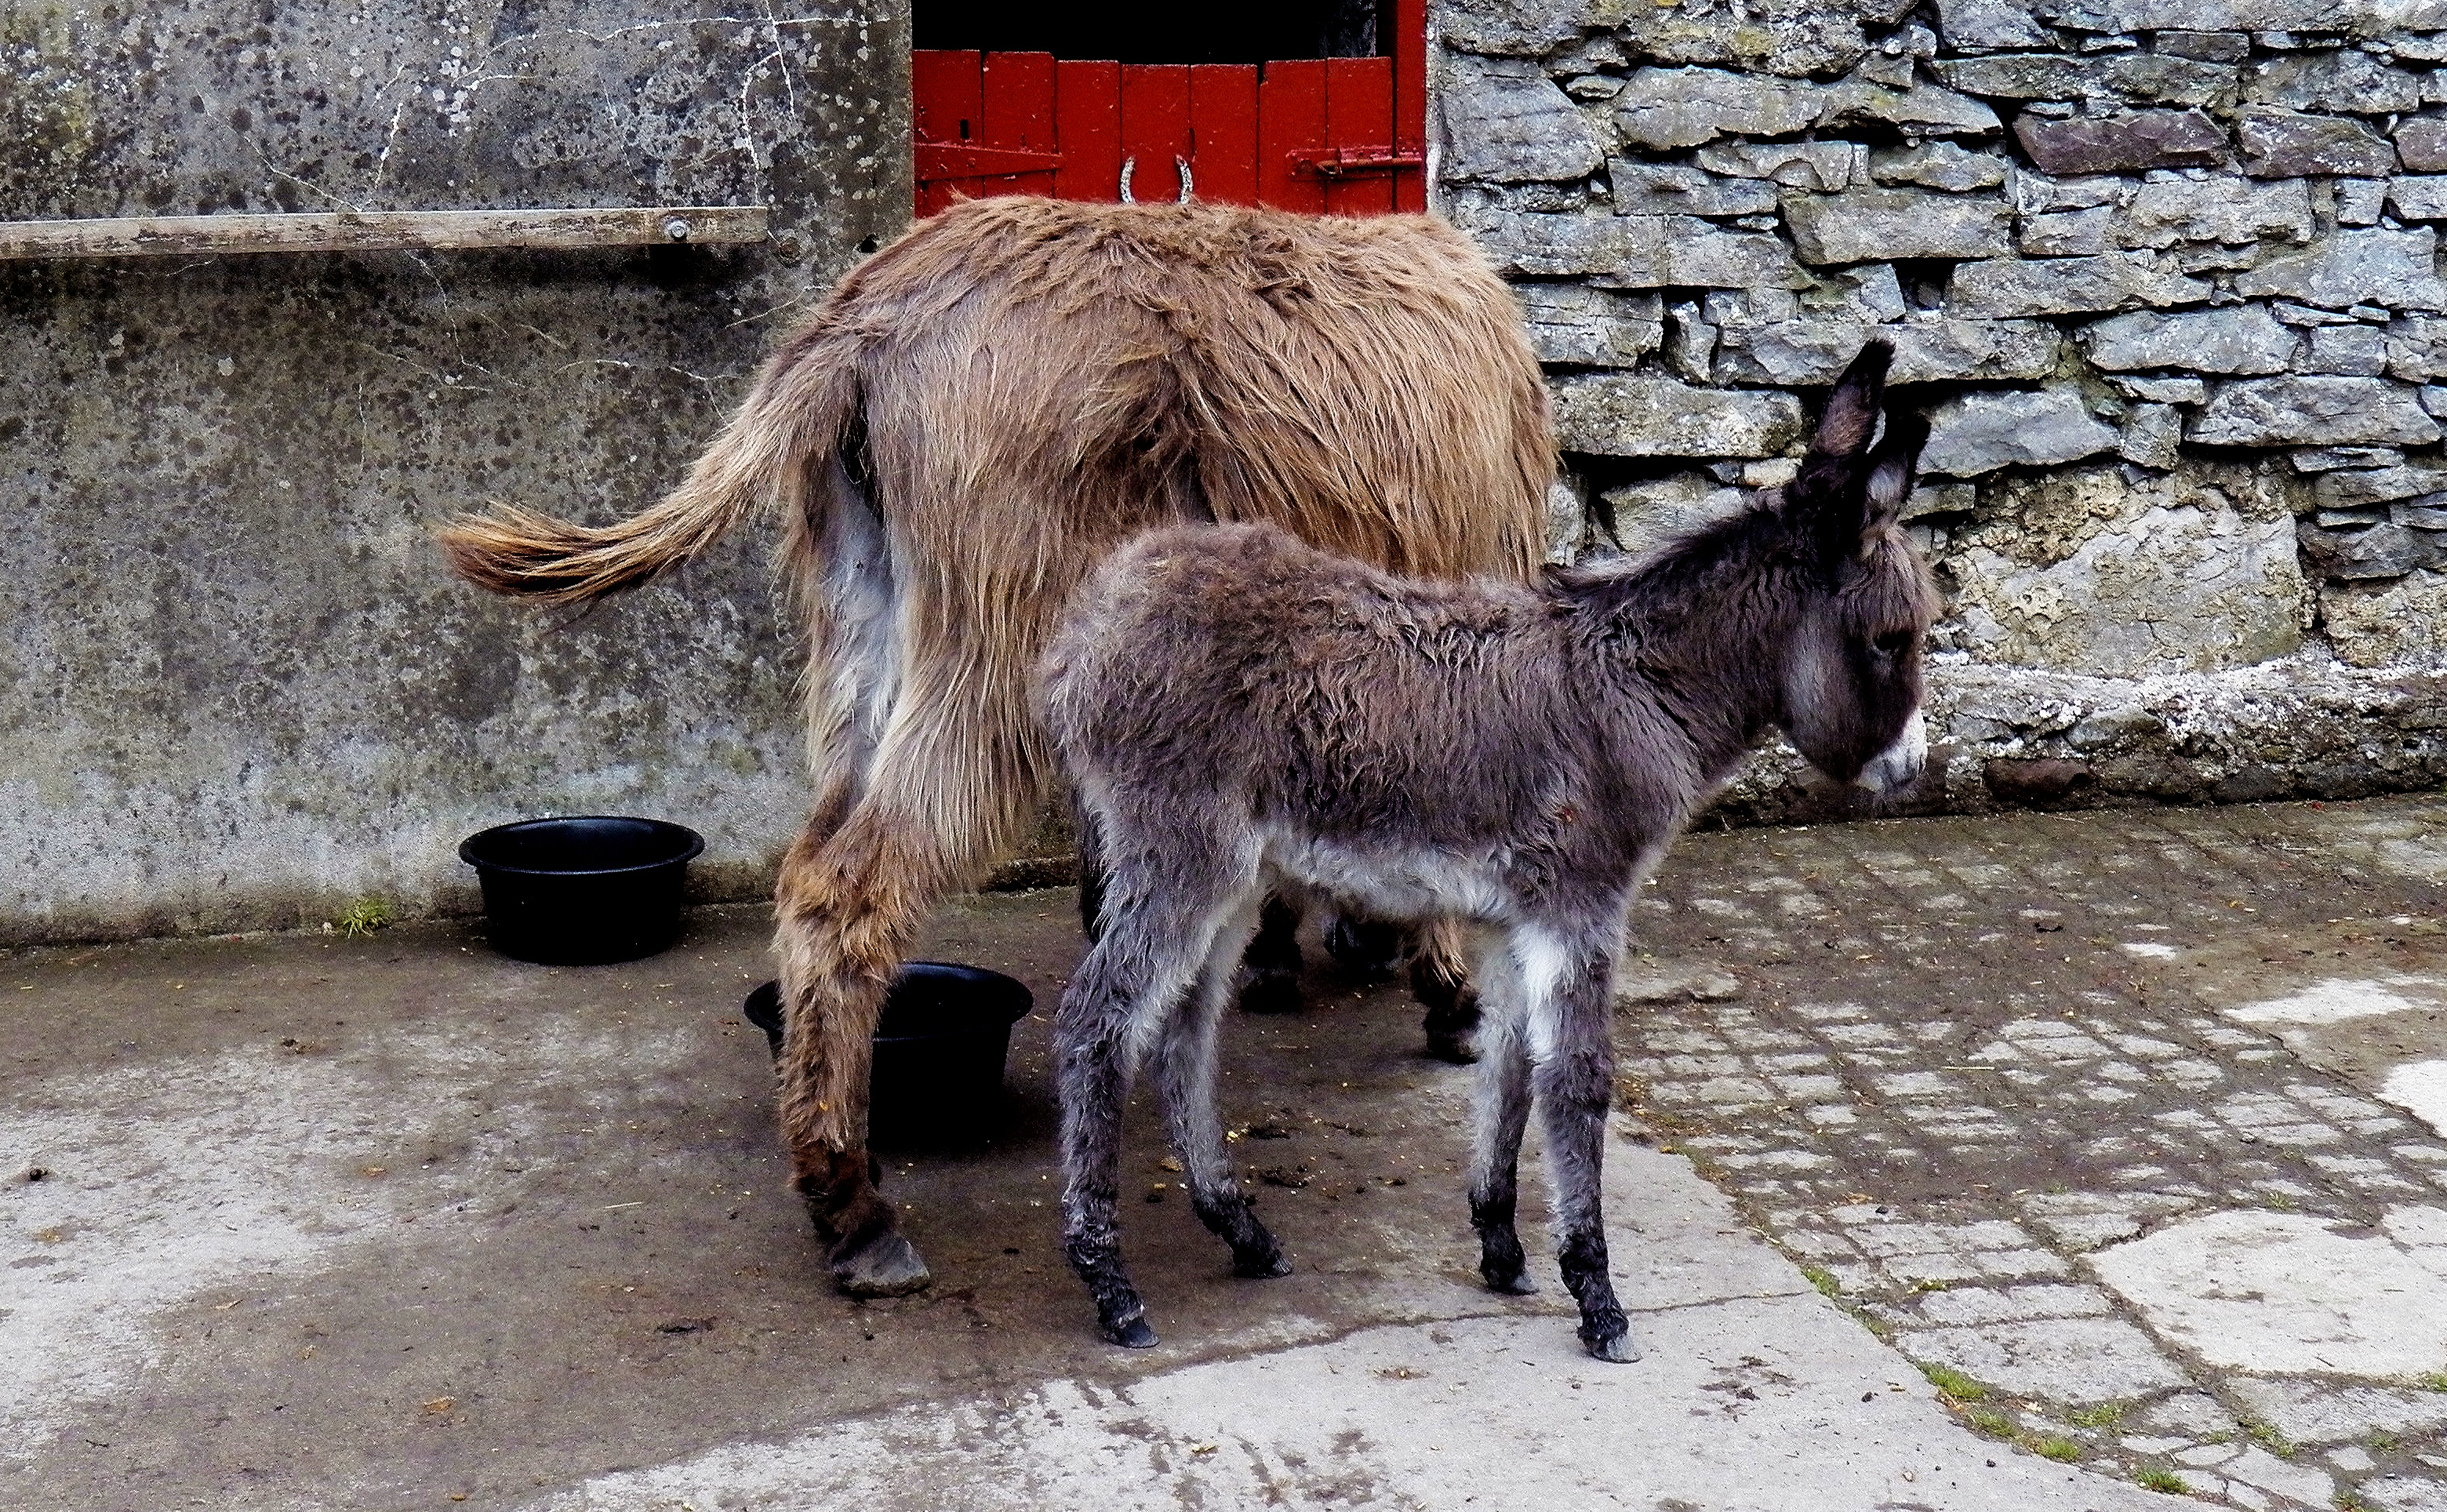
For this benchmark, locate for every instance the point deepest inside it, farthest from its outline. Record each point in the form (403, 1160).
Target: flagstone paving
(2114, 1122)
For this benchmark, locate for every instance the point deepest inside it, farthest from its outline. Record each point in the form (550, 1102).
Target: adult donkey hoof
(1615, 1348)
(1131, 1333)
(1453, 1047)
(886, 1265)
(1271, 993)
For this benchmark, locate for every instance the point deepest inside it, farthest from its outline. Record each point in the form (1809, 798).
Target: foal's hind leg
(1186, 1076)
(1148, 954)
(1573, 1052)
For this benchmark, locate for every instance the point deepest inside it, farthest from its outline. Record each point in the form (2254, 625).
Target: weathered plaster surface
(243, 689)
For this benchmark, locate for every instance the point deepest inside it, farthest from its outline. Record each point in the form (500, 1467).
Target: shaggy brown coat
(974, 419)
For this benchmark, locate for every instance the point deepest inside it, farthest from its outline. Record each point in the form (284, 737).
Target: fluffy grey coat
(1240, 711)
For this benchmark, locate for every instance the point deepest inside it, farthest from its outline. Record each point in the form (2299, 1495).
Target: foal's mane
(1688, 556)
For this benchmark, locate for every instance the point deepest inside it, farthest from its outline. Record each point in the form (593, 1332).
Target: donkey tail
(798, 415)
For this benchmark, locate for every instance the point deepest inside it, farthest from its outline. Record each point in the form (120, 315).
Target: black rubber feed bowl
(939, 1048)
(578, 892)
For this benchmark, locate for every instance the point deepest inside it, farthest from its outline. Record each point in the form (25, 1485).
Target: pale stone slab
(2073, 1360)
(1574, 324)
(2009, 289)
(2145, 77)
(1976, 433)
(2286, 144)
(2422, 197)
(1992, 24)
(1938, 165)
(2256, 1466)
(2345, 79)
(1676, 189)
(2240, 339)
(1506, 122)
(2393, 268)
(1815, 352)
(2178, 589)
(2334, 1000)
(1814, 1417)
(1636, 252)
(2313, 411)
(1822, 166)
(2166, 210)
(1878, 225)
(2284, 1293)
(2325, 1411)
(1626, 416)
(2420, 1087)
(1684, 108)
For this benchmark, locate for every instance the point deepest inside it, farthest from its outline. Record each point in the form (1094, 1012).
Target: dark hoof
(1264, 1267)
(1517, 1284)
(1271, 993)
(1453, 1048)
(1130, 1334)
(1615, 1348)
(886, 1266)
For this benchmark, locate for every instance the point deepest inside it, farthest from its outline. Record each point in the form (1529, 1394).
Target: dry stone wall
(2164, 272)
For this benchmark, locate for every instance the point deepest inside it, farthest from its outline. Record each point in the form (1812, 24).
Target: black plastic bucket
(939, 1048)
(578, 892)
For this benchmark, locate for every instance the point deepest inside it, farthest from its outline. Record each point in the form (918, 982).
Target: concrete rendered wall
(237, 688)
(2167, 271)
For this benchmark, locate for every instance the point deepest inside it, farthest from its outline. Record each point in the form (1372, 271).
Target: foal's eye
(1893, 643)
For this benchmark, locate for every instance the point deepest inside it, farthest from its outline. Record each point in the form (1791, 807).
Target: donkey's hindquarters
(977, 416)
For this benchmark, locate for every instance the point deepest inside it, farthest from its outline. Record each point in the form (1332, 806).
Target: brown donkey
(973, 419)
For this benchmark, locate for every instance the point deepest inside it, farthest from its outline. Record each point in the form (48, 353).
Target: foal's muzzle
(1898, 766)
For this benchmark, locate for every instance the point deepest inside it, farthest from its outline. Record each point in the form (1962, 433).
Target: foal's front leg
(1572, 1055)
(1185, 1077)
(1145, 960)
(1500, 1111)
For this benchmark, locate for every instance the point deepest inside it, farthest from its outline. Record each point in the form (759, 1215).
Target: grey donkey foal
(1241, 713)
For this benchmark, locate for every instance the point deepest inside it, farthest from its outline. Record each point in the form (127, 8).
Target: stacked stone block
(2166, 269)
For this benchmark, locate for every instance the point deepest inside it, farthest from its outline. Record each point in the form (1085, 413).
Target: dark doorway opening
(1258, 31)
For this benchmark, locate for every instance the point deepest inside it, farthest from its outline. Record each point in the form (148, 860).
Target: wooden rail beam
(382, 231)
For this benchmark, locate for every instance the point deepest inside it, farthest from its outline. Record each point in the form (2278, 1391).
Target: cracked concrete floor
(2090, 1114)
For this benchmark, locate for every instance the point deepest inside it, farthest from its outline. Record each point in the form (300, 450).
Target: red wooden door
(1345, 135)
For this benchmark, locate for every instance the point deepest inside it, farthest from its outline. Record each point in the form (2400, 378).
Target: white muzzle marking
(1899, 764)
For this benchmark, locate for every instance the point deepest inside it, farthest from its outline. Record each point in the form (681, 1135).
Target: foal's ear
(1892, 468)
(1851, 418)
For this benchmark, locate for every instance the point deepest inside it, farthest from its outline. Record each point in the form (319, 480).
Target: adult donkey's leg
(941, 790)
(1185, 1075)
(1272, 963)
(1565, 987)
(1441, 983)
